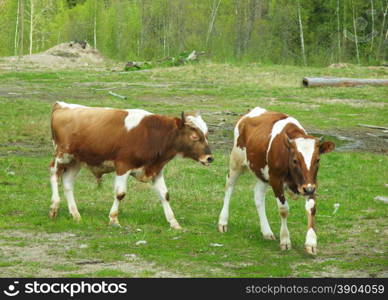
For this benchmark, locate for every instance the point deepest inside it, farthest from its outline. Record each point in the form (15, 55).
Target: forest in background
(303, 32)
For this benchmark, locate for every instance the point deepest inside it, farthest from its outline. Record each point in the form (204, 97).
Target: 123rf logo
(70, 289)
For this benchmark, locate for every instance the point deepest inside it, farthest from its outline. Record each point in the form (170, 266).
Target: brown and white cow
(277, 149)
(129, 142)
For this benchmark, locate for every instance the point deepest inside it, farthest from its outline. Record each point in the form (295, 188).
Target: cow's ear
(325, 147)
(287, 141)
(179, 123)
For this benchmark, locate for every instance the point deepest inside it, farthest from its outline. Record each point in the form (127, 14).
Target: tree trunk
(382, 30)
(31, 23)
(95, 25)
(373, 25)
(237, 51)
(355, 33)
(212, 20)
(338, 31)
(21, 35)
(251, 22)
(301, 35)
(17, 30)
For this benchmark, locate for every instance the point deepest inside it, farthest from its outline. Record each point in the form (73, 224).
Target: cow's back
(254, 132)
(91, 134)
(254, 137)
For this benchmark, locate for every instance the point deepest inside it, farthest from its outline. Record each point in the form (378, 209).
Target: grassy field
(351, 242)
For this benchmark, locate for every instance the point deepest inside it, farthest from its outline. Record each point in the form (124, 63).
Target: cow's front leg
(311, 237)
(161, 189)
(120, 189)
(285, 241)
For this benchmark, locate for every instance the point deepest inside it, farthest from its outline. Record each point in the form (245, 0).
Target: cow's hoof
(285, 246)
(176, 226)
(53, 213)
(222, 228)
(114, 222)
(115, 225)
(77, 217)
(269, 236)
(312, 250)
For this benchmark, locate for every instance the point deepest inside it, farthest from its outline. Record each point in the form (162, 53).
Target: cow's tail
(55, 107)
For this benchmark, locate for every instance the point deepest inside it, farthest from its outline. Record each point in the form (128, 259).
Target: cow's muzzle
(206, 159)
(308, 189)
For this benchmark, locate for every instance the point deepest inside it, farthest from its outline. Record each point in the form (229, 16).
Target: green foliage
(229, 30)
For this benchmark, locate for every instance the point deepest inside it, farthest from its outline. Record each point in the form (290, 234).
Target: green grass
(350, 243)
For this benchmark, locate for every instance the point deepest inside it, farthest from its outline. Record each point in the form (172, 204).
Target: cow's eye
(294, 161)
(318, 160)
(194, 137)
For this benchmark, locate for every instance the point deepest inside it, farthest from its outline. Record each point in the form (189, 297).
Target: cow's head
(192, 138)
(304, 161)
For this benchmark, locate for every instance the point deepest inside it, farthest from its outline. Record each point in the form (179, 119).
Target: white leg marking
(285, 241)
(310, 203)
(55, 199)
(161, 189)
(311, 237)
(68, 179)
(120, 189)
(265, 172)
(259, 193)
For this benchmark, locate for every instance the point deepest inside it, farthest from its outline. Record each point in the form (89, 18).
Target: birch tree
(21, 35)
(17, 29)
(95, 25)
(382, 30)
(212, 19)
(338, 30)
(301, 35)
(355, 33)
(373, 24)
(31, 24)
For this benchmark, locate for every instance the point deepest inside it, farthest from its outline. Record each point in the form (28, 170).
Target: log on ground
(341, 82)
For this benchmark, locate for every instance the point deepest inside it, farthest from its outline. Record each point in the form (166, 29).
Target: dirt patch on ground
(356, 139)
(63, 56)
(38, 254)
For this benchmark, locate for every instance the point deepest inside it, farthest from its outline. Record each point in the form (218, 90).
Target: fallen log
(341, 82)
(117, 95)
(373, 126)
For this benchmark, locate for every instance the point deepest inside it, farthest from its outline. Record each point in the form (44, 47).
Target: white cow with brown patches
(128, 142)
(277, 149)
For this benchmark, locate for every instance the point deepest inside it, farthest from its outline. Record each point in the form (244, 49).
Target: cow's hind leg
(236, 167)
(161, 189)
(55, 172)
(259, 192)
(68, 177)
(120, 190)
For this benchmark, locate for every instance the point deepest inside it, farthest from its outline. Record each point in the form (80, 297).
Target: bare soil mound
(71, 55)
